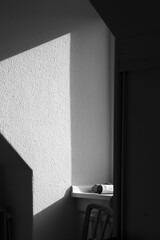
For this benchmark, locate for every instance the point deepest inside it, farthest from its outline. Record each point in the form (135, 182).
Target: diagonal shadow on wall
(27, 24)
(16, 189)
(58, 221)
(24, 25)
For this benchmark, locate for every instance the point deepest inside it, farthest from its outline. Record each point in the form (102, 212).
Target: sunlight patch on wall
(35, 116)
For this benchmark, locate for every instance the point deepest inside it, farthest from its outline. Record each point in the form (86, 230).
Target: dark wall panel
(142, 155)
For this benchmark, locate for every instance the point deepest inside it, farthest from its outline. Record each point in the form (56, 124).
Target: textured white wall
(36, 86)
(35, 115)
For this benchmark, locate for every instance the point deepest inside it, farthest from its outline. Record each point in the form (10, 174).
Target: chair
(98, 223)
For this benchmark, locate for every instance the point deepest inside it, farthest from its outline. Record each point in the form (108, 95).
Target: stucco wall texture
(35, 115)
(56, 98)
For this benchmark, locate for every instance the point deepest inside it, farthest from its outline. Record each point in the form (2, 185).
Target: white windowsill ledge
(85, 192)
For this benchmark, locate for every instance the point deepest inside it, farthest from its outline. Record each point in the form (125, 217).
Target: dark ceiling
(129, 17)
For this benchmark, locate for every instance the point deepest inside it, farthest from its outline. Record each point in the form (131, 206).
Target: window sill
(85, 192)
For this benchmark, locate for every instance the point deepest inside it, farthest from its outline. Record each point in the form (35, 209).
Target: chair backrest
(98, 222)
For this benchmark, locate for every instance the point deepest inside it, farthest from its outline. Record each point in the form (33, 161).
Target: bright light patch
(35, 115)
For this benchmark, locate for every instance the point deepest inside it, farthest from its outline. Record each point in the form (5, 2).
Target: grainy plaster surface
(56, 97)
(35, 115)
